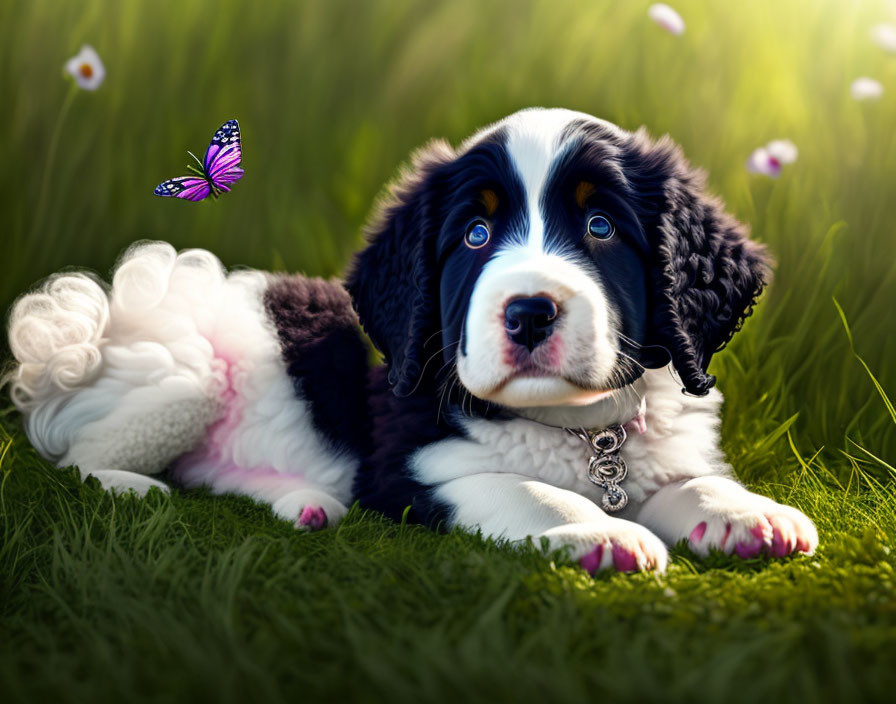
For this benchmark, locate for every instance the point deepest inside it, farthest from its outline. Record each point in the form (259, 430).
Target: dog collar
(606, 468)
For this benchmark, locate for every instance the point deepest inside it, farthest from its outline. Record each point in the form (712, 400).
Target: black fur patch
(620, 263)
(705, 273)
(393, 282)
(401, 425)
(324, 355)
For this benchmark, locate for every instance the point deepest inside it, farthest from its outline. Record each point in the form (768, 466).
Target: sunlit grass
(217, 599)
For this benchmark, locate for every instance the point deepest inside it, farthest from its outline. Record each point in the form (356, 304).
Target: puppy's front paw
(755, 527)
(713, 512)
(614, 543)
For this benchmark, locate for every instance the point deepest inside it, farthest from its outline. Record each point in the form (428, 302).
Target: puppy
(542, 296)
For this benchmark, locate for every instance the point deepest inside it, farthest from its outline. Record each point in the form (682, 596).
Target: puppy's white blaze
(532, 145)
(584, 338)
(532, 119)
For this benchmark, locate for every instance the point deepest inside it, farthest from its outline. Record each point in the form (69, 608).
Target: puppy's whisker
(426, 364)
(437, 353)
(446, 392)
(437, 332)
(443, 367)
(632, 360)
(451, 391)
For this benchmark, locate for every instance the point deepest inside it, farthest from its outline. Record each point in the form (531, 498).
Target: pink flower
(769, 159)
(666, 17)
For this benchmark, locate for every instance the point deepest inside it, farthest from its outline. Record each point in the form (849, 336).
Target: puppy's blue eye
(600, 227)
(477, 235)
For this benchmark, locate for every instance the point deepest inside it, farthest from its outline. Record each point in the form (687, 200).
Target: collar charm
(606, 468)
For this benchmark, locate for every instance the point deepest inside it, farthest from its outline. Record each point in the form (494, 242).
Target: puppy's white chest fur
(540, 452)
(680, 442)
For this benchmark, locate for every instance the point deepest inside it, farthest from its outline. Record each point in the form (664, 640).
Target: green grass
(106, 598)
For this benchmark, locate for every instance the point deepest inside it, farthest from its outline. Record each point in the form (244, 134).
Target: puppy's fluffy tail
(124, 377)
(55, 334)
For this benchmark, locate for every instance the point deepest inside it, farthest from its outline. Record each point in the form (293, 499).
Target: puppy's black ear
(705, 274)
(393, 281)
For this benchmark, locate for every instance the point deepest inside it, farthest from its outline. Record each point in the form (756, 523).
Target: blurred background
(333, 95)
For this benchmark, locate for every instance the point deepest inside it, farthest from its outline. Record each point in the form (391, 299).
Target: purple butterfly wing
(188, 187)
(224, 154)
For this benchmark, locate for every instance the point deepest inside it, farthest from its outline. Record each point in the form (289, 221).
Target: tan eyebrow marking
(583, 191)
(489, 200)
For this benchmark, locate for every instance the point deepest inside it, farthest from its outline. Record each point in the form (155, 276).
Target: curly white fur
(177, 362)
(125, 381)
(55, 333)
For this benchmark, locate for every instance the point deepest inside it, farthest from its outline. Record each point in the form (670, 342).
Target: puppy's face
(548, 260)
(542, 264)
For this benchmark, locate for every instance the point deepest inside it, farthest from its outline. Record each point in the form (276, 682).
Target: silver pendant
(606, 468)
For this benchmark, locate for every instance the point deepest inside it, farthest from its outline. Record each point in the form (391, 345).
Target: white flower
(769, 159)
(783, 150)
(666, 17)
(865, 88)
(86, 68)
(884, 35)
(761, 162)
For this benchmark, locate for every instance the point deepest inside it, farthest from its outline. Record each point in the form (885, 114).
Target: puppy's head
(548, 260)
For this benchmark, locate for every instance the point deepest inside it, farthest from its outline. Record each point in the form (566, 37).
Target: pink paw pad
(697, 534)
(781, 547)
(624, 560)
(313, 517)
(747, 549)
(590, 562)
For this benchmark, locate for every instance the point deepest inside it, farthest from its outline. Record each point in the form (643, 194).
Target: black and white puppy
(534, 293)
(540, 278)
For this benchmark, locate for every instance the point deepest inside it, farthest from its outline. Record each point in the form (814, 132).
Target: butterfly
(220, 168)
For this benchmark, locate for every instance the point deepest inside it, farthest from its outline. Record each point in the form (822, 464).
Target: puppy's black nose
(530, 321)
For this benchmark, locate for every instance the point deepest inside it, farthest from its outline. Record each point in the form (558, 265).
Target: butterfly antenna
(196, 159)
